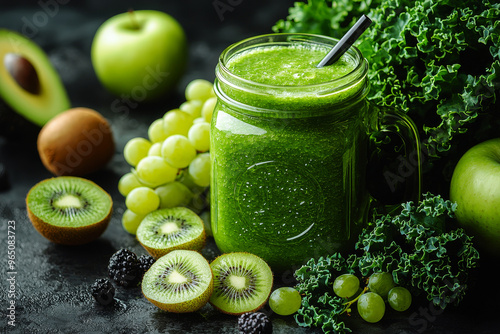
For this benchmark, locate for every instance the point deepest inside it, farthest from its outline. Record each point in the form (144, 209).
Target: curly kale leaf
(320, 306)
(420, 252)
(417, 246)
(330, 18)
(439, 61)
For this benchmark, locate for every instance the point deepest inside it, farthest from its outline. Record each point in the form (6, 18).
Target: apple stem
(133, 20)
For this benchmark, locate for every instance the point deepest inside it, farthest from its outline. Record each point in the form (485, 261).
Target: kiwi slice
(242, 283)
(179, 282)
(165, 230)
(69, 210)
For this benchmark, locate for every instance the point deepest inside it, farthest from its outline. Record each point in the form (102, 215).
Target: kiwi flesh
(69, 210)
(165, 230)
(179, 282)
(242, 283)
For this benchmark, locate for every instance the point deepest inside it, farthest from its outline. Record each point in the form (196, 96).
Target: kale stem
(349, 303)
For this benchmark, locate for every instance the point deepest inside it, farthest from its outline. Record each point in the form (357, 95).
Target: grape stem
(349, 303)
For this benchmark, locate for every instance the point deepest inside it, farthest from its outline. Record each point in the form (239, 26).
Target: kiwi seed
(179, 282)
(242, 283)
(164, 230)
(69, 210)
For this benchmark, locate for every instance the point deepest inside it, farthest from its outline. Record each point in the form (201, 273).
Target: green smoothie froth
(293, 65)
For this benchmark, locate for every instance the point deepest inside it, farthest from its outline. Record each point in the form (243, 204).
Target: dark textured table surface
(51, 282)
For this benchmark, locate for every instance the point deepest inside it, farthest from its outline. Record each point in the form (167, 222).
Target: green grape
(127, 183)
(200, 119)
(136, 149)
(371, 307)
(381, 283)
(155, 149)
(142, 201)
(154, 171)
(285, 301)
(131, 221)
(199, 89)
(177, 122)
(399, 298)
(155, 132)
(174, 194)
(187, 180)
(178, 151)
(346, 285)
(199, 169)
(199, 136)
(192, 107)
(208, 109)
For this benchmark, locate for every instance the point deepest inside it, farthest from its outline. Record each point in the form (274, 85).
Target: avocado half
(31, 91)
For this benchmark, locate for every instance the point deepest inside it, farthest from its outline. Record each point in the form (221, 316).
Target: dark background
(52, 281)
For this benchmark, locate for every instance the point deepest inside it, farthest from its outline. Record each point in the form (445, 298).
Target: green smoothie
(293, 65)
(286, 146)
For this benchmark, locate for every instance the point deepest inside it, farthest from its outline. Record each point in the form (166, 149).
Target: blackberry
(145, 262)
(103, 291)
(254, 323)
(124, 268)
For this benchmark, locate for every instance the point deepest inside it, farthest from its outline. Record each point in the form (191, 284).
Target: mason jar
(289, 148)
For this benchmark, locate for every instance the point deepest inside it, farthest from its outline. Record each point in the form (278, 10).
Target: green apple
(139, 55)
(475, 187)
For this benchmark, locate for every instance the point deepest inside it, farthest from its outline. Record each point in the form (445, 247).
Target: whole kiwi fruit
(76, 142)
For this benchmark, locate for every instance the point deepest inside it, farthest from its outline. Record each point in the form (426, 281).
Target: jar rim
(358, 72)
(257, 98)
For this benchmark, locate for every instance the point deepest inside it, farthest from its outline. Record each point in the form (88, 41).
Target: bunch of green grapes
(171, 167)
(372, 299)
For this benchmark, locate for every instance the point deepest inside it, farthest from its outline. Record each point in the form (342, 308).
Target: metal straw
(346, 41)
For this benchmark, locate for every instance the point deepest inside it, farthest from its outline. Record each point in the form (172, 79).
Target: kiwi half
(164, 230)
(69, 210)
(179, 282)
(242, 283)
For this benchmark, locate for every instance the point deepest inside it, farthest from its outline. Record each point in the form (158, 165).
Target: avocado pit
(23, 72)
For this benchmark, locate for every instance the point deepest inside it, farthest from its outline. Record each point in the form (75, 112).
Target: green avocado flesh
(51, 97)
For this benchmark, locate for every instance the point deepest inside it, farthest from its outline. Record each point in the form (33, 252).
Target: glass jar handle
(395, 169)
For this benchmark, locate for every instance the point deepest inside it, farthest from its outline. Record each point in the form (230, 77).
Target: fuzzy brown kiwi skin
(59, 140)
(71, 236)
